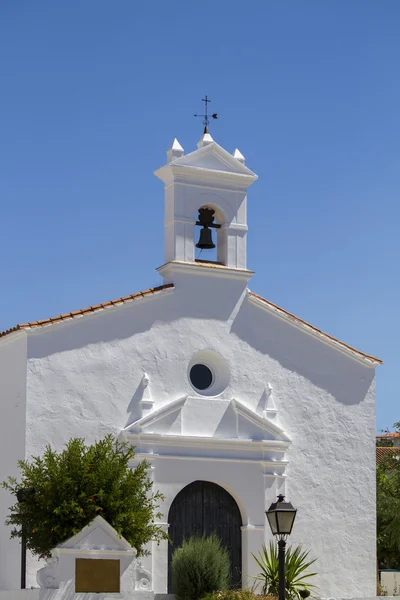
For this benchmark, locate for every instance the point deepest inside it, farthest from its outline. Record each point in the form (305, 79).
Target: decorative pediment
(98, 535)
(208, 418)
(213, 158)
(208, 161)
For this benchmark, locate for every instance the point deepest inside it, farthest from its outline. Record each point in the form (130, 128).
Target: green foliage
(65, 491)
(388, 511)
(201, 565)
(236, 595)
(297, 564)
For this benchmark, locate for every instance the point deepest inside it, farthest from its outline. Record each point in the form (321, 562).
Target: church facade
(230, 398)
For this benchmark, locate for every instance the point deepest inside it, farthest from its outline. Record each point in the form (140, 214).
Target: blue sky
(94, 92)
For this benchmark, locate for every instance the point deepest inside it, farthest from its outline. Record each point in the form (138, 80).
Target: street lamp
(281, 516)
(23, 494)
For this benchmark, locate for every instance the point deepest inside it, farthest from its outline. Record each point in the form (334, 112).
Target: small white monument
(95, 563)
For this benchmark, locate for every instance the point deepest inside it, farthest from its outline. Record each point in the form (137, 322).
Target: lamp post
(281, 516)
(23, 495)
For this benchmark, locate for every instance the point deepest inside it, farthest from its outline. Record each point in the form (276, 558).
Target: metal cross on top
(206, 116)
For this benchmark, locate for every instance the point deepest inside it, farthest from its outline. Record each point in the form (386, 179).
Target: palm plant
(297, 586)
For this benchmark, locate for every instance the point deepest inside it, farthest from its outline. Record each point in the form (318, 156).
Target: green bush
(297, 586)
(61, 492)
(201, 565)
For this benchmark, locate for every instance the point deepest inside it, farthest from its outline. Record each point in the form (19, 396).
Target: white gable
(98, 535)
(208, 418)
(213, 158)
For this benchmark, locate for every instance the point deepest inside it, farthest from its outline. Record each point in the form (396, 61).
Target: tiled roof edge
(315, 330)
(85, 311)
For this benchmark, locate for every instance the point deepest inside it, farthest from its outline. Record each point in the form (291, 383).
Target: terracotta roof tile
(314, 329)
(394, 434)
(85, 311)
(385, 452)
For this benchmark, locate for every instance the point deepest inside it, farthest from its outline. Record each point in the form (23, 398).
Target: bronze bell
(205, 240)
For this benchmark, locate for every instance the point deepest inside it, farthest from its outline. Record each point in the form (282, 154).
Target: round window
(201, 377)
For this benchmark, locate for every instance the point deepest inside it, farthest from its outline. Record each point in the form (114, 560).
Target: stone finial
(205, 140)
(145, 380)
(147, 401)
(174, 151)
(238, 155)
(270, 410)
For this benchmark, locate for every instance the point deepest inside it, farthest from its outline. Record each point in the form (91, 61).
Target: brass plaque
(97, 575)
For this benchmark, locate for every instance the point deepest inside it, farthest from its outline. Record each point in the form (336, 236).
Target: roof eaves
(85, 311)
(315, 331)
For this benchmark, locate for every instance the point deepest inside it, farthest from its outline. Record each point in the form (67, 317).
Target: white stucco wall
(84, 380)
(12, 444)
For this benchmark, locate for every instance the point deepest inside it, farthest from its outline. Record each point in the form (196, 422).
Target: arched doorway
(201, 508)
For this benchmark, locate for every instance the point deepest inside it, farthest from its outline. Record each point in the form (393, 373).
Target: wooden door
(201, 508)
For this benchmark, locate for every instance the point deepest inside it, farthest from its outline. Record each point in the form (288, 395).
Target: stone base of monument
(95, 564)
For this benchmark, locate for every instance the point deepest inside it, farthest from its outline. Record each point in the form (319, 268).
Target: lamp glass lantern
(281, 516)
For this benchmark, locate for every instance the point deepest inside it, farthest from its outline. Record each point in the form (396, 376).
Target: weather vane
(206, 116)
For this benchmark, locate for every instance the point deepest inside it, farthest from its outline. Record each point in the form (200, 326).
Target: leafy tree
(62, 492)
(388, 511)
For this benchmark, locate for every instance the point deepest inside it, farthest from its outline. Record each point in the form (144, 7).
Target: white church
(232, 399)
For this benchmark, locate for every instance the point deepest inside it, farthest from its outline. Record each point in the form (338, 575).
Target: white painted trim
(163, 411)
(268, 463)
(94, 524)
(179, 219)
(199, 268)
(161, 523)
(193, 442)
(235, 227)
(217, 186)
(259, 421)
(191, 175)
(252, 527)
(92, 552)
(239, 408)
(12, 336)
(188, 162)
(219, 153)
(191, 221)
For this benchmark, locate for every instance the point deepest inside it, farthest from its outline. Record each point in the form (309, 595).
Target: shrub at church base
(201, 565)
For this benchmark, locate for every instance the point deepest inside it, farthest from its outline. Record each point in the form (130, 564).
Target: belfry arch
(215, 232)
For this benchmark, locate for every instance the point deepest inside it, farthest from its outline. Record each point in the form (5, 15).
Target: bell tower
(208, 189)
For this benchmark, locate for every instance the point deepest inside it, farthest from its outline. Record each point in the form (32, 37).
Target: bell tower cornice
(211, 163)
